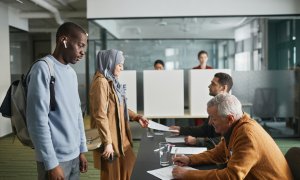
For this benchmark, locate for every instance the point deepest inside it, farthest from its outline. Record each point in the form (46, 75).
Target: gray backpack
(14, 104)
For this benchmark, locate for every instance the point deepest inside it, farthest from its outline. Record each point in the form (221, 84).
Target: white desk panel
(163, 93)
(199, 80)
(129, 78)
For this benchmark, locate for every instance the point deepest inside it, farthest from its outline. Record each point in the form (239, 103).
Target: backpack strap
(50, 65)
(52, 80)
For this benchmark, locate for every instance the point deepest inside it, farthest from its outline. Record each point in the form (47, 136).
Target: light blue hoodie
(58, 135)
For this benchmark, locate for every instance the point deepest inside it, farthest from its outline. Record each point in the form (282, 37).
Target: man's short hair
(227, 104)
(69, 29)
(159, 62)
(202, 52)
(225, 79)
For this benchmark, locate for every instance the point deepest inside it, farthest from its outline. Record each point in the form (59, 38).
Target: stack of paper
(166, 172)
(176, 139)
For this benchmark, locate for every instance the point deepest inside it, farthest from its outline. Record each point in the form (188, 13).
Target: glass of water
(150, 133)
(164, 153)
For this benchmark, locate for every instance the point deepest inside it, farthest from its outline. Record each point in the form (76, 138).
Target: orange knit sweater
(251, 154)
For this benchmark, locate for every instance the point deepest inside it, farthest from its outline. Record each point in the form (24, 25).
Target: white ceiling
(40, 12)
(160, 28)
(47, 19)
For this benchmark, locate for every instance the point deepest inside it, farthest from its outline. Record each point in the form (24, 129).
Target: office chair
(293, 159)
(265, 103)
(265, 107)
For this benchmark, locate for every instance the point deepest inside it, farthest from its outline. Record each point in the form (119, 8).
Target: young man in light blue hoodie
(58, 135)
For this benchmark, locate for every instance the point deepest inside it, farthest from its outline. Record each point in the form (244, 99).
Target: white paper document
(177, 139)
(160, 127)
(166, 172)
(188, 150)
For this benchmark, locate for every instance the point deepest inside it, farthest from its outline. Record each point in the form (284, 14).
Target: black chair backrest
(293, 158)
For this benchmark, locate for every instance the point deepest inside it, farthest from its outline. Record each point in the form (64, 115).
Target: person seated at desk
(206, 135)
(159, 65)
(246, 149)
(202, 58)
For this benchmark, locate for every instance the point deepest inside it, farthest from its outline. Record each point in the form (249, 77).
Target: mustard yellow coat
(251, 154)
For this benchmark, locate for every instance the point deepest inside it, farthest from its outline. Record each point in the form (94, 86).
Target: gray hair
(227, 104)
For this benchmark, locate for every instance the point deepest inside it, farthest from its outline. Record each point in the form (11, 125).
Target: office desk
(147, 159)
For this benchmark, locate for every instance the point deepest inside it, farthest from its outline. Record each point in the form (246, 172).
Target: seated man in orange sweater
(246, 149)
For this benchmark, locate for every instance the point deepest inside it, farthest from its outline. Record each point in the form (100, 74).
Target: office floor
(17, 162)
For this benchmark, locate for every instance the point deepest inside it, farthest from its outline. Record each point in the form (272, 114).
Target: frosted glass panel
(199, 80)
(129, 78)
(163, 93)
(245, 85)
(242, 61)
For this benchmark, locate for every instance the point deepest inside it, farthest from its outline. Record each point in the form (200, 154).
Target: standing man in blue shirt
(58, 135)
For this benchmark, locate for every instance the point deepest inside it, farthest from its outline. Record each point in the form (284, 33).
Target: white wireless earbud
(65, 43)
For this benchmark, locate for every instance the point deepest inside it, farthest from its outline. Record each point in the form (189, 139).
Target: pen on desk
(170, 145)
(155, 150)
(175, 154)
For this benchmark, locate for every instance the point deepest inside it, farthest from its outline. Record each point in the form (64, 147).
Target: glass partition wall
(260, 51)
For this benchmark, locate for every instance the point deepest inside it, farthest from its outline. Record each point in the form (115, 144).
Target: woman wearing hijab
(110, 115)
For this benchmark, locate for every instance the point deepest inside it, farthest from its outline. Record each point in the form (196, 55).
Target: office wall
(171, 8)
(15, 21)
(177, 54)
(19, 46)
(4, 64)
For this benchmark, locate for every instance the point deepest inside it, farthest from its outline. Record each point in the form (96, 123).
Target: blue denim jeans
(70, 168)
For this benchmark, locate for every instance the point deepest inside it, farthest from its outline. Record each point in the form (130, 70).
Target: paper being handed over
(160, 127)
